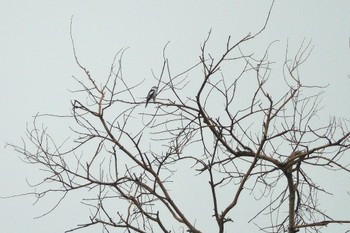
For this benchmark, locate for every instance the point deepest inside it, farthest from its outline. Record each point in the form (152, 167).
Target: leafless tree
(223, 120)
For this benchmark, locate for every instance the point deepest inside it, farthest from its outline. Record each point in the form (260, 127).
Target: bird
(151, 94)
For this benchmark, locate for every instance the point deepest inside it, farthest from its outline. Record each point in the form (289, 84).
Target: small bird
(151, 94)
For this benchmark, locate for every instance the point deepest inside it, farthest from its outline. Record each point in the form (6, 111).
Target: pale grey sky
(36, 65)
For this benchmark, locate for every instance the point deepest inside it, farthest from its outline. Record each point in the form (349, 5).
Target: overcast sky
(36, 64)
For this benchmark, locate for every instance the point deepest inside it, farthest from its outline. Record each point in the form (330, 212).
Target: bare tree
(231, 128)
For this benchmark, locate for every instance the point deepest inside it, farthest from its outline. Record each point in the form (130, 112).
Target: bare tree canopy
(232, 125)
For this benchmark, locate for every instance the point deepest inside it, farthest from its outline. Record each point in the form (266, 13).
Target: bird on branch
(151, 95)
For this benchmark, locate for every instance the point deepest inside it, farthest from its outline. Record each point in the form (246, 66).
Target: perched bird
(151, 94)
